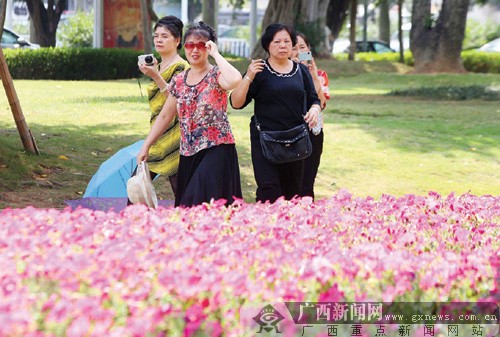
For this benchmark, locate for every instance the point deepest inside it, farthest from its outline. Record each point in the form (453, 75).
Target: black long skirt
(212, 173)
(311, 165)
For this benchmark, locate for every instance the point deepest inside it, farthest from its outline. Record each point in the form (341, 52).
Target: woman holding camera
(164, 153)
(208, 165)
(320, 79)
(285, 98)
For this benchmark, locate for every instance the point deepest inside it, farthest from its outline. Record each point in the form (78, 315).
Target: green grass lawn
(374, 143)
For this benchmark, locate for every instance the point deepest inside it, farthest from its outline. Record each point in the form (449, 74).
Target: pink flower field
(187, 272)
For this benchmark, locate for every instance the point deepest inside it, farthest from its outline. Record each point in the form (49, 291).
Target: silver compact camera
(146, 60)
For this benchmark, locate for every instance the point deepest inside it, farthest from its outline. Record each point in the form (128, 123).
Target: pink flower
(332, 295)
(194, 318)
(214, 329)
(143, 272)
(79, 327)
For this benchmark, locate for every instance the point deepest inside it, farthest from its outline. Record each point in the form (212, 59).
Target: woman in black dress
(277, 86)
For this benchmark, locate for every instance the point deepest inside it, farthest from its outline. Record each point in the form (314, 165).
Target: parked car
(492, 46)
(372, 46)
(13, 40)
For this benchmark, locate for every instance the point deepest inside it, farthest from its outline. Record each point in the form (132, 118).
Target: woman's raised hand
(212, 48)
(312, 66)
(256, 66)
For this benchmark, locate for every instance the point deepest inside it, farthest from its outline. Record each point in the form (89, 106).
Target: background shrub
(373, 57)
(72, 63)
(481, 62)
(458, 93)
(474, 61)
(77, 31)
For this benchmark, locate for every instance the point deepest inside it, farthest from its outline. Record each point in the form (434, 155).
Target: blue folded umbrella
(110, 180)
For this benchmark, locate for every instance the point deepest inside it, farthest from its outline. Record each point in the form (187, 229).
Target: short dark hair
(203, 30)
(174, 25)
(274, 28)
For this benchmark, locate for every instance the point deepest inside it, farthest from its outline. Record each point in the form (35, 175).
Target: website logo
(268, 319)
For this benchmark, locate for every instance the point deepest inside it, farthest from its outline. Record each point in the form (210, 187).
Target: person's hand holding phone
(305, 56)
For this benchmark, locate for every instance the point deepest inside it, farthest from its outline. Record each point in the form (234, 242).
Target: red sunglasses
(192, 45)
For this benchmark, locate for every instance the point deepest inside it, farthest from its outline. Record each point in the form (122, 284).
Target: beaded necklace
(271, 70)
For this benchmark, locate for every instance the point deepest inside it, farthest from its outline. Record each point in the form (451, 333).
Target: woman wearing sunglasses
(164, 153)
(208, 165)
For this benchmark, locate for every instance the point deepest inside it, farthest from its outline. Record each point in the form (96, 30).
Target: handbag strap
(257, 124)
(305, 96)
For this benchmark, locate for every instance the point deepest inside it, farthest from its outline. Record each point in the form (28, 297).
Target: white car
(340, 46)
(372, 46)
(492, 46)
(13, 40)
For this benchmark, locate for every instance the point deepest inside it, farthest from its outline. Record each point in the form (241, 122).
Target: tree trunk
(352, 30)
(45, 20)
(152, 14)
(22, 127)
(336, 15)
(365, 24)
(147, 36)
(194, 9)
(307, 16)
(209, 13)
(384, 23)
(3, 12)
(437, 44)
(400, 32)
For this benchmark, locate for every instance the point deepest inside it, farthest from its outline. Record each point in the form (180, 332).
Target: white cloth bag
(140, 189)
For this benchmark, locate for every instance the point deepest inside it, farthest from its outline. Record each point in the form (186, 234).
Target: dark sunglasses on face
(192, 45)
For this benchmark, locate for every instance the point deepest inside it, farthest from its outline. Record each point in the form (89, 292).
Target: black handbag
(287, 146)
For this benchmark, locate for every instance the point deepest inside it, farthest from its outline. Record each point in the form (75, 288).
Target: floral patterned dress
(202, 113)
(208, 166)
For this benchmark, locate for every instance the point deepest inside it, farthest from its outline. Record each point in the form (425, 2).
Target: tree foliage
(77, 31)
